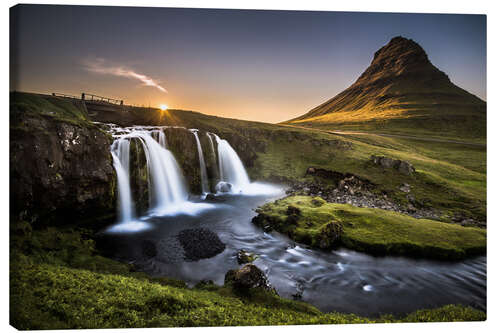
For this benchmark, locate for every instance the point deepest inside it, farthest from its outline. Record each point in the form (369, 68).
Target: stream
(339, 280)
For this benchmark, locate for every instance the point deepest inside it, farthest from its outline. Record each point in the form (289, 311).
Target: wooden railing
(65, 95)
(91, 98)
(96, 98)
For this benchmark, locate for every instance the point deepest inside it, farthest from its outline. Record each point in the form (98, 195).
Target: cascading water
(167, 190)
(214, 156)
(231, 169)
(203, 168)
(120, 151)
(165, 177)
(159, 135)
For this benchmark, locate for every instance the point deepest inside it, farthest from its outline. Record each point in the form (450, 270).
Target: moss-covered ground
(372, 230)
(58, 280)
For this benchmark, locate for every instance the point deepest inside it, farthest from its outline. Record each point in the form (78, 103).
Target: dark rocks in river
(246, 278)
(148, 248)
(200, 243)
(213, 198)
(403, 167)
(245, 257)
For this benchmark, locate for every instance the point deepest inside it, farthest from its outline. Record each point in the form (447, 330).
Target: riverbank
(58, 281)
(315, 222)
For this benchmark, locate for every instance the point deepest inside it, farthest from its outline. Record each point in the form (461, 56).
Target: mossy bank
(59, 281)
(315, 222)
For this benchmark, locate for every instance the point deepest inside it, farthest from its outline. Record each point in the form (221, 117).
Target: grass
(35, 105)
(373, 231)
(58, 281)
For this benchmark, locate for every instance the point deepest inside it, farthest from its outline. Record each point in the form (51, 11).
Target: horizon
(243, 64)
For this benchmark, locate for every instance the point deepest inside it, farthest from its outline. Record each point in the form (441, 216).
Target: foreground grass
(58, 281)
(374, 231)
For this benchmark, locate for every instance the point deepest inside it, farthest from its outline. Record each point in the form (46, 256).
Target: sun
(163, 107)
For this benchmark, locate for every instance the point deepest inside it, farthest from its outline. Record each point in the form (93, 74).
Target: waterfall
(231, 169)
(166, 187)
(159, 135)
(203, 168)
(165, 177)
(120, 151)
(214, 155)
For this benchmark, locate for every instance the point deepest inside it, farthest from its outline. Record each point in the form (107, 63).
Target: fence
(91, 98)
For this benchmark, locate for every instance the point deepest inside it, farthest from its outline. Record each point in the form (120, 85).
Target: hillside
(402, 92)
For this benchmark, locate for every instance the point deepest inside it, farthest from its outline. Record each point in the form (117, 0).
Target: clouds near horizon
(101, 66)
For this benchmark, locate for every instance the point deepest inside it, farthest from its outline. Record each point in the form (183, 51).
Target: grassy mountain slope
(402, 92)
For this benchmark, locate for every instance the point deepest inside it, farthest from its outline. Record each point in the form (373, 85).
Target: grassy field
(58, 281)
(375, 231)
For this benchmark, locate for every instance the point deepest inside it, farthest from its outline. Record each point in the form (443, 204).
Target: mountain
(402, 92)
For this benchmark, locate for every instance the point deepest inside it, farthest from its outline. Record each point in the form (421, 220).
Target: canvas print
(212, 167)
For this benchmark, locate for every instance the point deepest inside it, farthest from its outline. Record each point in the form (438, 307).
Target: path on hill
(393, 136)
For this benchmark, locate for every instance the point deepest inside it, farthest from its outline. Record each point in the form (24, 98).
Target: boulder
(223, 187)
(246, 278)
(200, 243)
(406, 188)
(329, 235)
(213, 198)
(403, 167)
(245, 257)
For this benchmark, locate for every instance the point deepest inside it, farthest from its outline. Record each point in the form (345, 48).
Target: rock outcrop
(247, 278)
(403, 167)
(60, 167)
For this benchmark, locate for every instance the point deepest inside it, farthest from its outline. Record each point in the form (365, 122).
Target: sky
(267, 66)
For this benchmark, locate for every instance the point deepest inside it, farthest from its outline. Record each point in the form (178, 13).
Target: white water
(168, 194)
(203, 167)
(159, 135)
(231, 169)
(120, 151)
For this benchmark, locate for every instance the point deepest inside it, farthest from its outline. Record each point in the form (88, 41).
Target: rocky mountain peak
(399, 57)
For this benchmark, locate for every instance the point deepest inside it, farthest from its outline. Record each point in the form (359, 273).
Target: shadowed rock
(200, 243)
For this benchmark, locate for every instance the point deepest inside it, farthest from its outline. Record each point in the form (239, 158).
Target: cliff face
(400, 83)
(60, 165)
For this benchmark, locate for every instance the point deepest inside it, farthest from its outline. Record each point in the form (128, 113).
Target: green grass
(375, 231)
(34, 105)
(58, 281)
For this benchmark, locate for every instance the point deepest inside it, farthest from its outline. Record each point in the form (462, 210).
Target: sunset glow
(163, 107)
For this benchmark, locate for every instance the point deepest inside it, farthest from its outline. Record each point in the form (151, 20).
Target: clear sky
(256, 65)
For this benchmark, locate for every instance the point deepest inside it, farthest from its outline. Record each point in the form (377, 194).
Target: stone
(148, 248)
(200, 243)
(246, 278)
(245, 257)
(403, 167)
(213, 198)
(223, 187)
(329, 235)
(406, 188)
